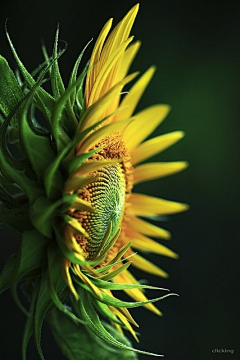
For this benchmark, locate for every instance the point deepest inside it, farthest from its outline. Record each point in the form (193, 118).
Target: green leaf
(13, 168)
(30, 320)
(10, 92)
(53, 179)
(37, 147)
(77, 343)
(51, 280)
(42, 306)
(32, 256)
(7, 273)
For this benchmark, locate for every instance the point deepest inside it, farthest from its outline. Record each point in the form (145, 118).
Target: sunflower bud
(70, 190)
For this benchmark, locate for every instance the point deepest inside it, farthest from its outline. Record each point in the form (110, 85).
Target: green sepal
(10, 92)
(120, 253)
(80, 98)
(105, 311)
(60, 134)
(13, 168)
(69, 120)
(43, 212)
(96, 326)
(44, 101)
(7, 273)
(104, 269)
(77, 161)
(76, 342)
(103, 284)
(32, 256)
(56, 79)
(107, 243)
(73, 77)
(117, 271)
(53, 179)
(112, 301)
(57, 284)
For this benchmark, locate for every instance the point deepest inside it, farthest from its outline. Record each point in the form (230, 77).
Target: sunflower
(70, 189)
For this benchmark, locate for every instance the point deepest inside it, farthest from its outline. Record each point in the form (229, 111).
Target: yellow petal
(77, 227)
(95, 165)
(128, 326)
(93, 68)
(147, 228)
(152, 246)
(87, 281)
(150, 205)
(119, 34)
(127, 60)
(72, 244)
(131, 100)
(123, 68)
(147, 266)
(68, 279)
(77, 182)
(154, 146)
(98, 110)
(80, 204)
(143, 124)
(152, 171)
(101, 133)
(105, 78)
(141, 242)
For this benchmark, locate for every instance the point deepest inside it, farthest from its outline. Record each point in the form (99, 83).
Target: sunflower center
(107, 195)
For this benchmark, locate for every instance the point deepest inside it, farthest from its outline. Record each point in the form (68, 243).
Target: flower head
(71, 192)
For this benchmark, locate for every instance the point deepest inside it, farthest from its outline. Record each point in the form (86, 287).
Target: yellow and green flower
(69, 161)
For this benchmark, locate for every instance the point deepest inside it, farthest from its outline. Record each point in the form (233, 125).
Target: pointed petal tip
(168, 108)
(185, 207)
(154, 309)
(152, 69)
(181, 134)
(135, 8)
(185, 164)
(166, 275)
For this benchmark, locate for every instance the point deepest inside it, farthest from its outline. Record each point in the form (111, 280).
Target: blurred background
(196, 48)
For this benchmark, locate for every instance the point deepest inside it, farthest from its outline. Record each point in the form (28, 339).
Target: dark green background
(196, 47)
